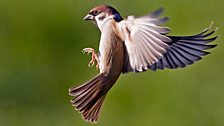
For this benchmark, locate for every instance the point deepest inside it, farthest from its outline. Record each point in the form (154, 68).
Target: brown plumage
(132, 45)
(90, 96)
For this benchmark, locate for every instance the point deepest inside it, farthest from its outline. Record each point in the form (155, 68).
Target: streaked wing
(145, 40)
(185, 50)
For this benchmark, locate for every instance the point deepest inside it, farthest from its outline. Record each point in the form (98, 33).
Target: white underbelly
(104, 53)
(106, 47)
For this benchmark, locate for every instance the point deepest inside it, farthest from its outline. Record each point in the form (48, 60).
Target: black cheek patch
(101, 18)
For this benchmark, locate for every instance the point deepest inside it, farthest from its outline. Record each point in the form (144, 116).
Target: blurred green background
(40, 58)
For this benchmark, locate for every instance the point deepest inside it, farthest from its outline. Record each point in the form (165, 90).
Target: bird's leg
(94, 57)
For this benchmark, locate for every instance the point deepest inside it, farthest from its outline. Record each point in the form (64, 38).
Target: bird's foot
(94, 57)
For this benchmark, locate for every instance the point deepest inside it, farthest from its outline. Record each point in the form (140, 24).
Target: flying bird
(133, 44)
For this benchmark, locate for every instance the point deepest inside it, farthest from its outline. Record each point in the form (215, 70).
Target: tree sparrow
(133, 44)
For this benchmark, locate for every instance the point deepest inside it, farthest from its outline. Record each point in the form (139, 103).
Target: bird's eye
(95, 13)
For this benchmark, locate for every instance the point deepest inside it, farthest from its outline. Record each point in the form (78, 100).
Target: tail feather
(74, 91)
(92, 114)
(89, 97)
(83, 98)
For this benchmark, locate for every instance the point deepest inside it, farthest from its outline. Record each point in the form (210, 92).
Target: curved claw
(97, 66)
(94, 57)
(85, 51)
(91, 63)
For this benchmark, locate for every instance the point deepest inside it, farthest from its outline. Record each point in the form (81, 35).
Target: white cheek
(98, 21)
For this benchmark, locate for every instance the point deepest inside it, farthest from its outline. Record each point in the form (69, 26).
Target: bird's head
(101, 14)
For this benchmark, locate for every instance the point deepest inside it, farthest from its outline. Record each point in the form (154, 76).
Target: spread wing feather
(148, 47)
(144, 39)
(185, 50)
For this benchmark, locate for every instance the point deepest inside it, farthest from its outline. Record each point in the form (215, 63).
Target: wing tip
(157, 12)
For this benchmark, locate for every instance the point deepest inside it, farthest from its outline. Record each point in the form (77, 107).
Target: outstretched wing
(185, 50)
(145, 40)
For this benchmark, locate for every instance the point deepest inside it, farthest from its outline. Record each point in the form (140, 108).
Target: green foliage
(40, 58)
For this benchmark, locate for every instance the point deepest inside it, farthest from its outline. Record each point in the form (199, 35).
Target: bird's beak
(88, 17)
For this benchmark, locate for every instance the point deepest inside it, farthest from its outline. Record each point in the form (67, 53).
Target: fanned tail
(89, 97)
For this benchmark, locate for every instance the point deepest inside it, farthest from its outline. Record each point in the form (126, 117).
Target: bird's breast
(111, 53)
